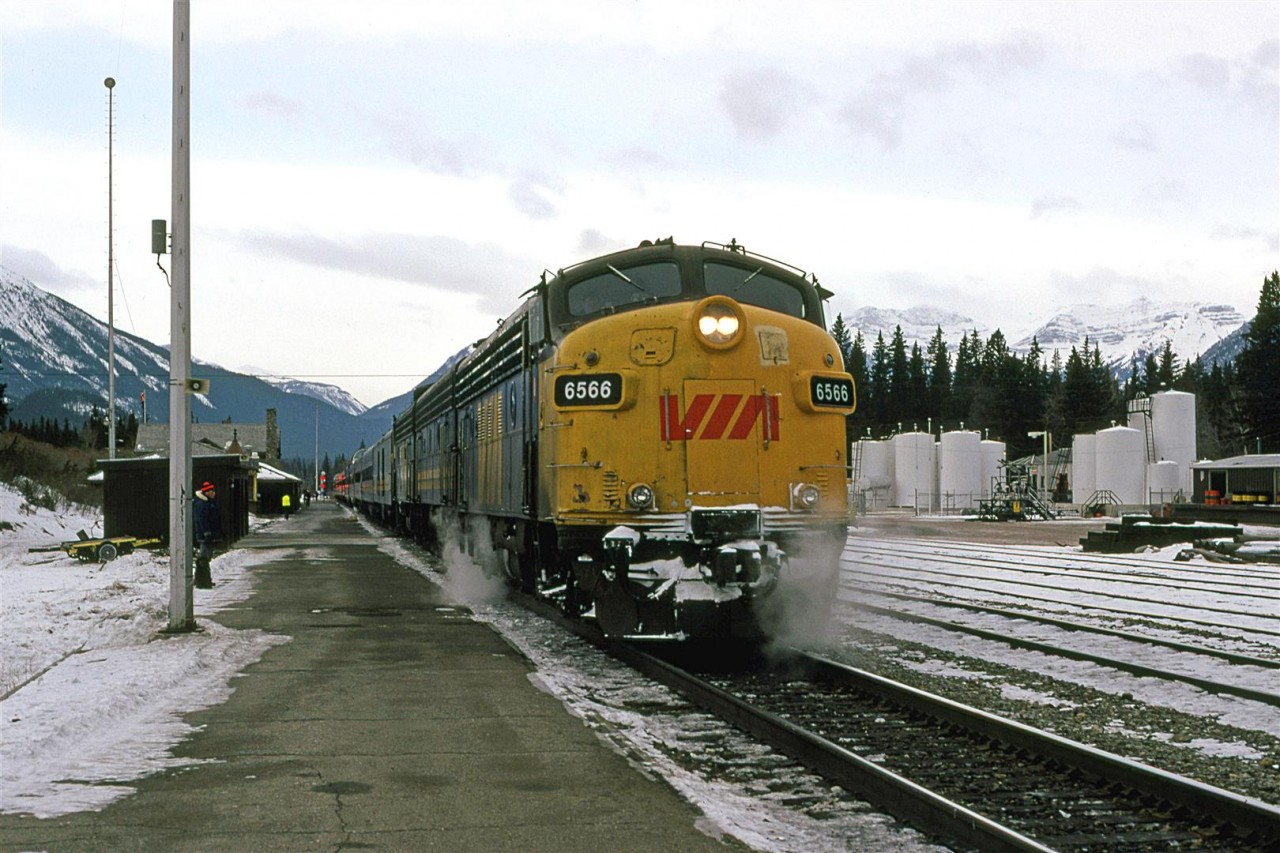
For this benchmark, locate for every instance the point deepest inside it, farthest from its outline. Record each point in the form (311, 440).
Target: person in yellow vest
(286, 503)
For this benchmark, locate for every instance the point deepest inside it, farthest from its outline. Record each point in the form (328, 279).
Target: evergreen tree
(917, 404)
(857, 367)
(840, 332)
(939, 386)
(1258, 371)
(967, 375)
(1167, 371)
(878, 383)
(899, 378)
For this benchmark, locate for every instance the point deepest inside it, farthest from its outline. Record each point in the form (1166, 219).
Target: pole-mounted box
(159, 237)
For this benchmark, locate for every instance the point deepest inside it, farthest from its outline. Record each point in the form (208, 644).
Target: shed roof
(1255, 460)
(268, 474)
(206, 439)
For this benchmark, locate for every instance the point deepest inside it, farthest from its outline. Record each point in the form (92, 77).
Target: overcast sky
(374, 183)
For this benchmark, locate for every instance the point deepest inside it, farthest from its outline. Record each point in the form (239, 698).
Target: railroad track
(967, 778)
(1014, 639)
(963, 775)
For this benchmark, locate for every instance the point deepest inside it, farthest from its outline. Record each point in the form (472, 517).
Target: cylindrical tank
(1173, 425)
(875, 472)
(876, 466)
(913, 470)
(1120, 464)
(992, 455)
(1084, 467)
(960, 469)
(1163, 481)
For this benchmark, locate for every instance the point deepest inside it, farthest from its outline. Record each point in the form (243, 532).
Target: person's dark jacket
(208, 518)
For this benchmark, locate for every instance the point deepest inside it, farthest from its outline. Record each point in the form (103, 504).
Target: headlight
(640, 496)
(805, 496)
(719, 322)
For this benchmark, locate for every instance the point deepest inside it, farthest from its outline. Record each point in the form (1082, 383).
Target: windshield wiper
(743, 283)
(620, 275)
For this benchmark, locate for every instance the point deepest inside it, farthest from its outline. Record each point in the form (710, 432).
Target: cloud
(42, 271)
(592, 242)
(530, 194)
(1237, 232)
(1135, 136)
(444, 263)
(760, 102)
(274, 105)
(1204, 71)
(879, 111)
(1047, 205)
(408, 136)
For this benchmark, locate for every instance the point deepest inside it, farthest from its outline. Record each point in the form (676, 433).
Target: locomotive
(654, 439)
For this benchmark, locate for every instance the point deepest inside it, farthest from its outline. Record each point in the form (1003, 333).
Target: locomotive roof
(668, 248)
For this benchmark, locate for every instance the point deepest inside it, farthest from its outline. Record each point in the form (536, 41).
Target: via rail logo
(714, 417)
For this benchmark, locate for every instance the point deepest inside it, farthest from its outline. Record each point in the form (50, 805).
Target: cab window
(754, 287)
(617, 288)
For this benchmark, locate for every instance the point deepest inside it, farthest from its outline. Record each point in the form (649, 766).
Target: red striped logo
(711, 417)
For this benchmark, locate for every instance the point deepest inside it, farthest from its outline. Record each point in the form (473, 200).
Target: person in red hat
(208, 519)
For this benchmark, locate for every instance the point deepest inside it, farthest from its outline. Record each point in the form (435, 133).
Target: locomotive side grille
(612, 489)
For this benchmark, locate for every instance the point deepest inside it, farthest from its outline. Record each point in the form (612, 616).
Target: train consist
(654, 438)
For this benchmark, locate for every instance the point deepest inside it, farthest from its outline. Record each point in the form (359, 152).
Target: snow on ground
(91, 695)
(604, 693)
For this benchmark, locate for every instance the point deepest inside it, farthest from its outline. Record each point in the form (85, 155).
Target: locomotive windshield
(753, 287)
(619, 287)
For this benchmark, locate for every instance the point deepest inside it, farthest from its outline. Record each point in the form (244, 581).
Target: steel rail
(1223, 571)
(910, 803)
(1230, 657)
(1205, 684)
(1240, 810)
(1053, 588)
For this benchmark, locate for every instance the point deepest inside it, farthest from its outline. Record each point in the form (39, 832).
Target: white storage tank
(1120, 455)
(913, 470)
(1173, 425)
(992, 455)
(1164, 481)
(1084, 468)
(960, 469)
(875, 471)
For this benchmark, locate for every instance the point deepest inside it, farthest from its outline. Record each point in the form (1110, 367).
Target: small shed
(135, 494)
(1251, 479)
(272, 485)
(1242, 489)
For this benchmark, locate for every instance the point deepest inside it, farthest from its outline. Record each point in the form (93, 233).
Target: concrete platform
(390, 721)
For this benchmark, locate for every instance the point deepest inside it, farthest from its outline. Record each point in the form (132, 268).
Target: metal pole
(181, 611)
(110, 83)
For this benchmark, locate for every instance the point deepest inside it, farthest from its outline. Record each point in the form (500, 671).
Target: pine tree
(1258, 370)
(879, 385)
(840, 332)
(939, 390)
(857, 367)
(899, 378)
(917, 404)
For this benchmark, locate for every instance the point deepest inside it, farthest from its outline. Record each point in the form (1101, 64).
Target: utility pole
(110, 83)
(181, 609)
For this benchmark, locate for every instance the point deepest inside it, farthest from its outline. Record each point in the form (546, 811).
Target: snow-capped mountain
(53, 363)
(325, 393)
(1120, 332)
(1136, 329)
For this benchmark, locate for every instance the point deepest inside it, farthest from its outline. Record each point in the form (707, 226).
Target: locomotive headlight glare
(640, 496)
(805, 495)
(719, 322)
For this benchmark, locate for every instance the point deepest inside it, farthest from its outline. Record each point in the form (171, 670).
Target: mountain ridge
(55, 361)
